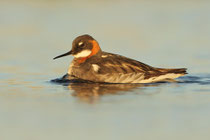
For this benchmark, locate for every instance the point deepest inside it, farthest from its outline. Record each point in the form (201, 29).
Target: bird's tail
(173, 73)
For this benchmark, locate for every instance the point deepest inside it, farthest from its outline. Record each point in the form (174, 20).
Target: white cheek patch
(83, 53)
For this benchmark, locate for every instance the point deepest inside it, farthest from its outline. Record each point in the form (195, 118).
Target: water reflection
(91, 92)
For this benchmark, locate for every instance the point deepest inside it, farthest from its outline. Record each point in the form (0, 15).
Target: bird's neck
(96, 50)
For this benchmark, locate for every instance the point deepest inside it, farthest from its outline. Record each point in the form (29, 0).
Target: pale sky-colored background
(157, 32)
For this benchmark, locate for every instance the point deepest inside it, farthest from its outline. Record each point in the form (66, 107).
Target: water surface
(159, 33)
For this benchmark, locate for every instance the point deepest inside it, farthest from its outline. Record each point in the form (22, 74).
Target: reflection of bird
(91, 92)
(91, 89)
(92, 64)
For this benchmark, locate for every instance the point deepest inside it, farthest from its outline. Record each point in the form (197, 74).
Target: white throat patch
(83, 53)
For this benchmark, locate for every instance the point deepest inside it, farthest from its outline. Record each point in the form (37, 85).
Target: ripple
(202, 79)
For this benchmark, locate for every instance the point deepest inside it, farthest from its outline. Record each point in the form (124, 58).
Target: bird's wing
(117, 68)
(113, 63)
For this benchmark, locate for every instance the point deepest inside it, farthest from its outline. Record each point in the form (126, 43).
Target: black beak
(65, 54)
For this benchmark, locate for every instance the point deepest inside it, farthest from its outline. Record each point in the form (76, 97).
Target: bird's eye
(81, 44)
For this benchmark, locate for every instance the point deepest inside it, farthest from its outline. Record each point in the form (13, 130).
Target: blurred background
(160, 33)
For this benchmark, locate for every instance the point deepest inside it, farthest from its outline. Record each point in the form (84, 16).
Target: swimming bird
(92, 64)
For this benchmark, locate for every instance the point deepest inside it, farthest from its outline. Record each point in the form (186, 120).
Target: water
(159, 33)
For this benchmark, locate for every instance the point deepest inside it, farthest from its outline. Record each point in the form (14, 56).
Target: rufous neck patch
(95, 50)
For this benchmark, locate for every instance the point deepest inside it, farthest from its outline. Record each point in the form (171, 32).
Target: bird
(90, 63)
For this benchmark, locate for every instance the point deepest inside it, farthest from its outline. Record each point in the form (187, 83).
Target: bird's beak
(65, 54)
